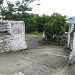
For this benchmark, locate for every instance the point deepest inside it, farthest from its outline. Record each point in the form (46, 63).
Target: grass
(36, 33)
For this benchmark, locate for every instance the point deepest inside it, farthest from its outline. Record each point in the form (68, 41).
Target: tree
(19, 6)
(40, 22)
(56, 25)
(16, 11)
(30, 22)
(8, 13)
(23, 6)
(1, 1)
(10, 7)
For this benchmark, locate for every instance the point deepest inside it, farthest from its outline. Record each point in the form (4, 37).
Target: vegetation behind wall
(52, 25)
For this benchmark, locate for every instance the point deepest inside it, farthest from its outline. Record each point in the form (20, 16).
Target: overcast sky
(65, 7)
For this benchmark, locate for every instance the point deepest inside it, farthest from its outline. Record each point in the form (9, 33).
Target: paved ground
(37, 60)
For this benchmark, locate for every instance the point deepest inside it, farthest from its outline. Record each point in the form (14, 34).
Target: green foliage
(36, 33)
(18, 12)
(1, 1)
(10, 7)
(56, 25)
(22, 6)
(40, 22)
(30, 23)
(52, 25)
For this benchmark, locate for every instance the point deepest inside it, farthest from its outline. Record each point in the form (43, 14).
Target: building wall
(14, 37)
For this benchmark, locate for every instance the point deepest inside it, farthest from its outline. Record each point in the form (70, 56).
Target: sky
(48, 7)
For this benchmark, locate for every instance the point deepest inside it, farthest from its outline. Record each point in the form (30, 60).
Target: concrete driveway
(37, 60)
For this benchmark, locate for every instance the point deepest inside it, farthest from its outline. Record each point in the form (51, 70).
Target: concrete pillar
(68, 39)
(72, 53)
(74, 42)
(69, 31)
(10, 27)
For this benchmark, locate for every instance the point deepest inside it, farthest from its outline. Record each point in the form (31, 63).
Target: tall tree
(1, 4)
(1, 1)
(40, 22)
(22, 6)
(17, 9)
(56, 25)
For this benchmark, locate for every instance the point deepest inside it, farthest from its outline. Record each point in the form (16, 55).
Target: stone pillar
(68, 39)
(72, 53)
(74, 42)
(12, 36)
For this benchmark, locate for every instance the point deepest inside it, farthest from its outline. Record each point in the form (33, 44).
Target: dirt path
(32, 41)
(38, 60)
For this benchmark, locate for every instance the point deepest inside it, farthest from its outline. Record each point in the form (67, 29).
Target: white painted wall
(71, 28)
(74, 42)
(68, 39)
(15, 40)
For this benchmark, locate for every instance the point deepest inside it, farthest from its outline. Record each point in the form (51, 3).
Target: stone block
(12, 39)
